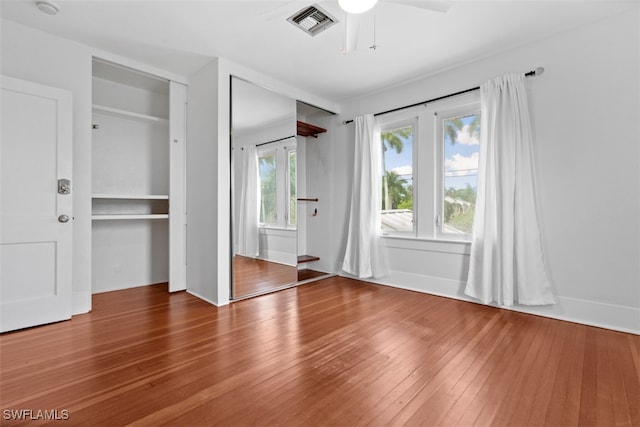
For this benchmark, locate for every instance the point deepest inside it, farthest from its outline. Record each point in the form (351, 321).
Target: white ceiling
(181, 36)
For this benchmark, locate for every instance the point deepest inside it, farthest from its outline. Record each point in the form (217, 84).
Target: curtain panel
(248, 243)
(363, 256)
(507, 265)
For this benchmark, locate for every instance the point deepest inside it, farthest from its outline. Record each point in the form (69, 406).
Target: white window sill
(275, 227)
(461, 247)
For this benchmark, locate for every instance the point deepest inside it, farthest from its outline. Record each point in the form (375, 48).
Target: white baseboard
(284, 258)
(197, 295)
(80, 302)
(592, 313)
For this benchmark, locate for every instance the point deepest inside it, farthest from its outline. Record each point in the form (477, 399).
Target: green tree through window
(293, 198)
(267, 169)
(397, 180)
(461, 154)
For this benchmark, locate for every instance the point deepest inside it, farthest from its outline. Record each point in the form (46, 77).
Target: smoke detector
(312, 20)
(48, 7)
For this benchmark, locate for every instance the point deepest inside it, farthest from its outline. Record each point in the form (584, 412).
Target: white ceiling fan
(313, 20)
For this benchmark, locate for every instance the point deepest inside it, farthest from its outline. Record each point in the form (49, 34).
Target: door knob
(63, 218)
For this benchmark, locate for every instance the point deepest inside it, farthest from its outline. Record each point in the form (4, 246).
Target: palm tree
(454, 125)
(267, 171)
(392, 139)
(397, 192)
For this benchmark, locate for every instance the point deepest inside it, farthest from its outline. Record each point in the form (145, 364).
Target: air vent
(312, 20)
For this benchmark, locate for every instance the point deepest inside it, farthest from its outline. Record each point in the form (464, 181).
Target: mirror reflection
(264, 189)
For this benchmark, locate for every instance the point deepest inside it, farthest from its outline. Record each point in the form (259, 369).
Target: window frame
(287, 156)
(281, 150)
(262, 153)
(428, 164)
(463, 110)
(386, 124)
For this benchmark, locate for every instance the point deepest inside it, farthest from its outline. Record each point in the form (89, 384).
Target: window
(459, 171)
(430, 164)
(397, 179)
(268, 194)
(277, 164)
(293, 195)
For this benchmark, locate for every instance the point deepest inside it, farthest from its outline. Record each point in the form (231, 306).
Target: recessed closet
(138, 184)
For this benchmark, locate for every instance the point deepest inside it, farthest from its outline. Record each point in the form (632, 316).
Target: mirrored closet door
(264, 179)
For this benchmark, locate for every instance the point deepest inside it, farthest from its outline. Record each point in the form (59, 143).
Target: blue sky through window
(401, 163)
(460, 159)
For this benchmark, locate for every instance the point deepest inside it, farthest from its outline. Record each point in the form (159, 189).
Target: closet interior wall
(130, 178)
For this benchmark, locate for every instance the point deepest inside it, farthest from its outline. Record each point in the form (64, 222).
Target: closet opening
(134, 203)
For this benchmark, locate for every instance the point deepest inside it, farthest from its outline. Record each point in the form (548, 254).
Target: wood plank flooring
(251, 275)
(336, 352)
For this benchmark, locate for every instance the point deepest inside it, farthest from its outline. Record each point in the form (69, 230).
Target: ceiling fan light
(48, 7)
(356, 6)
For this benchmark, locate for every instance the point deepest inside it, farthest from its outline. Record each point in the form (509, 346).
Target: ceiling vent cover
(312, 20)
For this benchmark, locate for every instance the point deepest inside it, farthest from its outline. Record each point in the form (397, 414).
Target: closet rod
(538, 71)
(276, 140)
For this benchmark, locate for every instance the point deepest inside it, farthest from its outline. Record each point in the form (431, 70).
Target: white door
(36, 219)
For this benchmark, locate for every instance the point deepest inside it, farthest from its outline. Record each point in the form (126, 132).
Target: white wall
(202, 186)
(36, 56)
(585, 111)
(321, 180)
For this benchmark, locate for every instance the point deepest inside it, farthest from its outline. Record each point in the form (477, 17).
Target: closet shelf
(307, 258)
(117, 112)
(307, 199)
(127, 216)
(131, 196)
(306, 129)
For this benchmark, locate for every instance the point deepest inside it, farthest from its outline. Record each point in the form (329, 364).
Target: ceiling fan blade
(433, 5)
(351, 30)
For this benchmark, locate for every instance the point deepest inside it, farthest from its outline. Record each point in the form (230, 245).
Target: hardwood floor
(252, 275)
(308, 274)
(334, 352)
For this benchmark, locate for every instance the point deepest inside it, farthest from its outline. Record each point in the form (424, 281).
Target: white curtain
(249, 204)
(507, 264)
(363, 256)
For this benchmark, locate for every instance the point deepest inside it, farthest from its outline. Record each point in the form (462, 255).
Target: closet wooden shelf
(128, 216)
(307, 258)
(307, 199)
(117, 112)
(306, 129)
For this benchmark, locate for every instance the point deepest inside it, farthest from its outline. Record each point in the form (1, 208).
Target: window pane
(293, 202)
(397, 182)
(461, 154)
(267, 168)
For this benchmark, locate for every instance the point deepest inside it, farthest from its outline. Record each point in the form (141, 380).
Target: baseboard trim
(592, 313)
(283, 258)
(80, 302)
(197, 295)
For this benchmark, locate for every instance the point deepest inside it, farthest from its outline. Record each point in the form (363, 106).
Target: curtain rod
(275, 140)
(538, 71)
